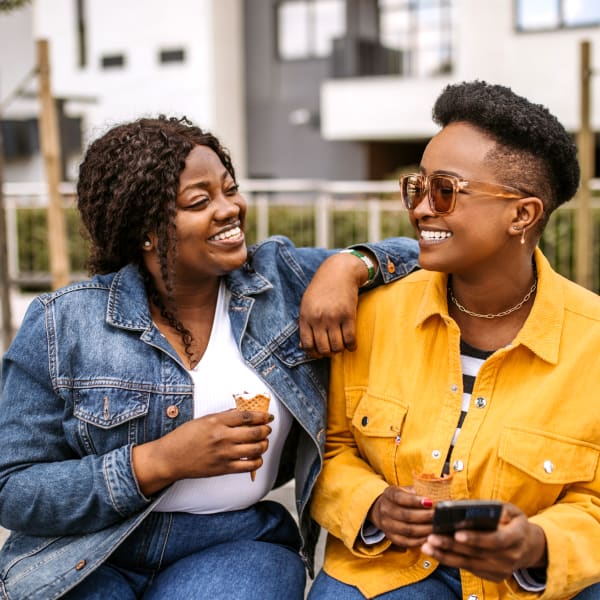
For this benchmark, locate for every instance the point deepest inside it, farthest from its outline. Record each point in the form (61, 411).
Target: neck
(188, 329)
(192, 300)
(494, 296)
(495, 311)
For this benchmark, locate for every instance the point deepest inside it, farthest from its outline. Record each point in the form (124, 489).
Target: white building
(116, 60)
(533, 46)
(339, 89)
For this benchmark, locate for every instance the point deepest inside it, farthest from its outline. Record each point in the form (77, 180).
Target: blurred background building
(334, 89)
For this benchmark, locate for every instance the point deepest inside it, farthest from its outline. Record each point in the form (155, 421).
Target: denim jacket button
(80, 565)
(172, 411)
(391, 267)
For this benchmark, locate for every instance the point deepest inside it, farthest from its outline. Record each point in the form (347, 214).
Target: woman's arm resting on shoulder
(328, 309)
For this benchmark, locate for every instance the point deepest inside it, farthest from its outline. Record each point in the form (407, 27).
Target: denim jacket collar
(247, 282)
(128, 306)
(127, 303)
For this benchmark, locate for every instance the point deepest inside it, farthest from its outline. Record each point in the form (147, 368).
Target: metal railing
(310, 212)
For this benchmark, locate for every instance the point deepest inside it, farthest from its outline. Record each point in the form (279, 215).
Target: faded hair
(534, 152)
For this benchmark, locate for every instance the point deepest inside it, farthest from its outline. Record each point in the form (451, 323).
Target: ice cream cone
(257, 402)
(433, 487)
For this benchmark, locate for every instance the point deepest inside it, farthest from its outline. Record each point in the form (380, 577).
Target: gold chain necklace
(491, 315)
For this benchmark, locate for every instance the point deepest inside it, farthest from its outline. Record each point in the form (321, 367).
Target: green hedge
(297, 223)
(33, 241)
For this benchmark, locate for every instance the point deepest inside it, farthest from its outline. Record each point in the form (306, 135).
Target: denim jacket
(89, 375)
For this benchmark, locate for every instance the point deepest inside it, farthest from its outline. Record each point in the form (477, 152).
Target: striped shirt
(471, 360)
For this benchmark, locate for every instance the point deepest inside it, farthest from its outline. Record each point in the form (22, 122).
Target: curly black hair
(534, 152)
(127, 187)
(128, 184)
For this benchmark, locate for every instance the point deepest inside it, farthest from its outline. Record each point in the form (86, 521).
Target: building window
(176, 55)
(21, 138)
(421, 30)
(307, 28)
(111, 61)
(544, 15)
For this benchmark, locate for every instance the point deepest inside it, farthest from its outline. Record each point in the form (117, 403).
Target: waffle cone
(259, 403)
(432, 487)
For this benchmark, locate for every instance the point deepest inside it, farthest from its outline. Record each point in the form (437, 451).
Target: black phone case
(452, 515)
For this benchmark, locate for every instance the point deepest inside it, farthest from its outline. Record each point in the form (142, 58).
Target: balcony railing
(311, 212)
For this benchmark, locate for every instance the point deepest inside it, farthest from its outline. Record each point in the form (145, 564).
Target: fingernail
(427, 503)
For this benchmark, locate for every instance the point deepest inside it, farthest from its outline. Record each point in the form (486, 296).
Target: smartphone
(452, 515)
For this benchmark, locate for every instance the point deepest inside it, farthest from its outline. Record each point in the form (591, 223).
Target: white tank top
(221, 373)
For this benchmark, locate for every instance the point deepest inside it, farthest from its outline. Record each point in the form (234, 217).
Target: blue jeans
(241, 554)
(442, 584)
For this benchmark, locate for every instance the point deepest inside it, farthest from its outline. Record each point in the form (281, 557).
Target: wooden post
(50, 145)
(5, 282)
(585, 144)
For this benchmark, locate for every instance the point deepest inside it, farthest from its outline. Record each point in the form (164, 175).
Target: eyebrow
(441, 172)
(203, 184)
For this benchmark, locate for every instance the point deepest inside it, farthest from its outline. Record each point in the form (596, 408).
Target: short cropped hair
(534, 152)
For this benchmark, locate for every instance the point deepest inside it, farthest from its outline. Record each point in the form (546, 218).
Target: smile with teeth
(226, 235)
(435, 235)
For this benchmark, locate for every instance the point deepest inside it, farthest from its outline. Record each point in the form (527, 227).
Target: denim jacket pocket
(377, 423)
(535, 466)
(110, 417)
(109, 407)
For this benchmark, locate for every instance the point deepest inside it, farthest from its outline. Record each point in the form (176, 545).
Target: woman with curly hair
(126, 471)
(491, 394)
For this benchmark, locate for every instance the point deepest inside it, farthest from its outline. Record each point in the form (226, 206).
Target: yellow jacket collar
(542, 329)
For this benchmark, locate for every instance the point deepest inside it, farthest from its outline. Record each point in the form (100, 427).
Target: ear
(149, 243)
(527, 212)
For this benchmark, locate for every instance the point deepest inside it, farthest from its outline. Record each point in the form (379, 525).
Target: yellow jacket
(531, 436)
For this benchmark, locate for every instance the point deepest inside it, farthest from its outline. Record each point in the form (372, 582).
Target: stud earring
(147, 244)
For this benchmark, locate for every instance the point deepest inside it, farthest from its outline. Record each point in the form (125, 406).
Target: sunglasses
(441, 191)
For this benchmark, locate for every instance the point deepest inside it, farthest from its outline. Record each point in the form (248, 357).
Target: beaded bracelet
(371, 267)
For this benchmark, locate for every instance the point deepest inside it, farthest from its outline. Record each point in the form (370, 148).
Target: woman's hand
(516, 544)
(328, 308)
(405, 518)
(227, 442)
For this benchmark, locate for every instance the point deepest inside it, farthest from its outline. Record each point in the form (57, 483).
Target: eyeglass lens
(441, 191)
